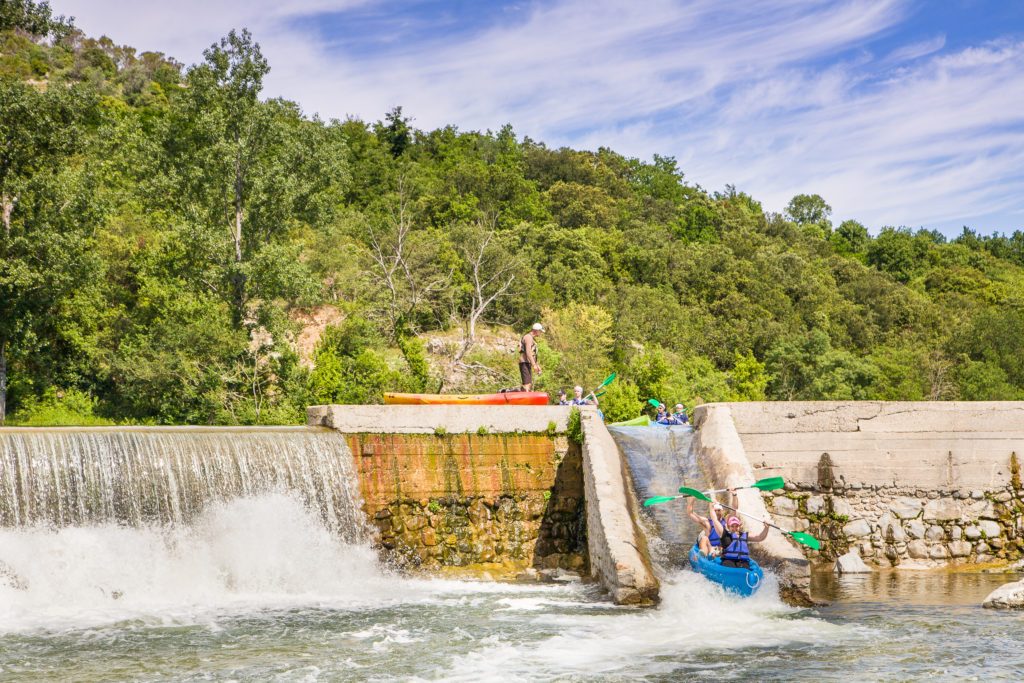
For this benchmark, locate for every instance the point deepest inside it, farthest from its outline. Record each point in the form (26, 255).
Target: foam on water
(695, 617)
(268, 550)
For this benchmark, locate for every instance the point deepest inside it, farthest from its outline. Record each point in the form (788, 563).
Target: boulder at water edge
(850, 563)
(1007, 596)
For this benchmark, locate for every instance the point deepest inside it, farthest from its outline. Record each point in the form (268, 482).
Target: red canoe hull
(512, 398)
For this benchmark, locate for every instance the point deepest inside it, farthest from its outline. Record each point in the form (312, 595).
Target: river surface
(259, 589)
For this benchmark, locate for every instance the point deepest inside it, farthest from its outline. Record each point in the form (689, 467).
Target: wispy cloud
(776, 96)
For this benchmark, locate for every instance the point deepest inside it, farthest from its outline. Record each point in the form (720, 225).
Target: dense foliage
(168, 235)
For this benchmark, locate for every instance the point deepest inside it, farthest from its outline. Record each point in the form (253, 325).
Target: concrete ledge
(930, 445)
(721, 454)
(373, 419)
(618, 558)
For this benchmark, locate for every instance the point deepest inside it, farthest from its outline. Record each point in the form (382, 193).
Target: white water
(246, 553)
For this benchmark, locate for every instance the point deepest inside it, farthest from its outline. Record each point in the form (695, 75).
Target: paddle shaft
(756, 519)
(764, 484)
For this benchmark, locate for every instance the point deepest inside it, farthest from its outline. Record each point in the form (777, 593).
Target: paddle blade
(657, 500)
(808, 540)
(611, 378)
(694, 493)
(769, 484)
(654, 402)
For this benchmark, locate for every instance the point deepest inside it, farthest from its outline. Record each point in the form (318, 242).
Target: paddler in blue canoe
(735, 541)
(710, 540)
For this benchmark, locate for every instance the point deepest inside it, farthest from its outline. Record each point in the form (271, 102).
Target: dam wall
(905, 484)
(495, 491)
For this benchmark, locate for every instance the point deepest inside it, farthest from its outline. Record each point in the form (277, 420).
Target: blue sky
(898, 112)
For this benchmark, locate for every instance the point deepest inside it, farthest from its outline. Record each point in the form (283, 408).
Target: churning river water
(258, 589)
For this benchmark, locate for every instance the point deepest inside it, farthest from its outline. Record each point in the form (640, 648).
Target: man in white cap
(710, 538)
(528, 356)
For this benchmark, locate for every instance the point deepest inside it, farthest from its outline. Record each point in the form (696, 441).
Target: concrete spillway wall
(496, 490)
(905, 484)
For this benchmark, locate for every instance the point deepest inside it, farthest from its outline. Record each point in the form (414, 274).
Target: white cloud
(776, 96)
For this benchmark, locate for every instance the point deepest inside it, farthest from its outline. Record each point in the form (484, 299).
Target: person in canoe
(562, 400)
(679, 415)
(735, 541)
(528, 363)
(710, 540)
(666, 418)
(578, 399)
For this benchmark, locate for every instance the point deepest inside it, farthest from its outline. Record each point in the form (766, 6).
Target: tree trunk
(3, 381)
(7, 207)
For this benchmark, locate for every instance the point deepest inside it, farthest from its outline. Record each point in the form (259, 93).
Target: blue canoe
(744, 582)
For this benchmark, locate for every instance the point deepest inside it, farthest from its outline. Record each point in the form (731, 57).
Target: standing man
(528, 356)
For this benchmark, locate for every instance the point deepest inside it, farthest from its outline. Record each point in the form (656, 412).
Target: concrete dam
(519, 493)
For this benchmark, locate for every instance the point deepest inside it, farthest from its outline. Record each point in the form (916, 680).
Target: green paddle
(654, 402)
(798, 536)
(769, 484)
(607, 380)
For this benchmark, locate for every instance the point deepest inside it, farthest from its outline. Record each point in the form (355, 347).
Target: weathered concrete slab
(617, 548)
(366, 419)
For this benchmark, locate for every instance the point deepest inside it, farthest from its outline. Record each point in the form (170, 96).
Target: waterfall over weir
(141, 476)
(661, 460)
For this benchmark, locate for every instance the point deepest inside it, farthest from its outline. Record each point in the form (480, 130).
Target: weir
(64, 477)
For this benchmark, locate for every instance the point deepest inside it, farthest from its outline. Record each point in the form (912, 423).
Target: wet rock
(942, 510)
(1007, 596)
(429, 536)
(905, 508)
(851, 563)
(915, 528)
(857, 528)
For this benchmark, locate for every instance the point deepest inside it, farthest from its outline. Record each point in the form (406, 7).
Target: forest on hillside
(168, 234)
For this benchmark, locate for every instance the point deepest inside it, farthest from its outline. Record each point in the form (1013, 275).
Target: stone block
(956, 533)
(935, 533)
(851, 563)
(905, 508)
(982, 548)
(917, 550)
(942, 510)
(978, 509)
(815, 505)
(784, 506)
(959, 548)
(915, 528)
(972, 533)
(977, 494)
(894, 533)
(990, 529)
(857, 528)
(938, 552)
(428, 536)
(841, 506)
(1003, 497)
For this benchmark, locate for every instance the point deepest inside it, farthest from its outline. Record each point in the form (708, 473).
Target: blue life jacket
(713, 538)
(738, 548)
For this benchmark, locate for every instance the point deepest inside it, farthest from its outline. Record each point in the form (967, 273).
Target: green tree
(48, 215)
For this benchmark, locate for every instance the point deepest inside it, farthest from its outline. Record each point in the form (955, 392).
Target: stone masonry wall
(495, 503)
(894, 526)
(911, 485)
